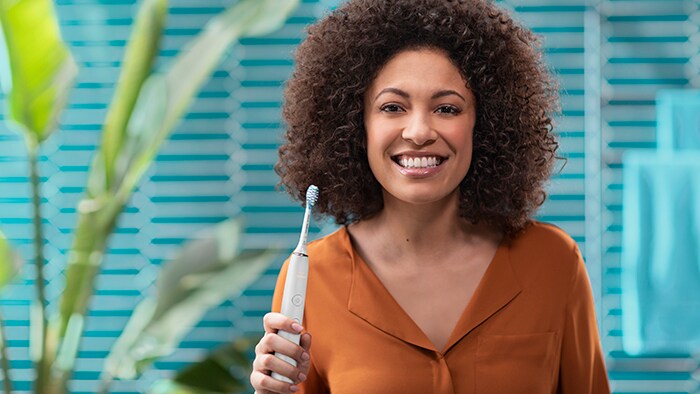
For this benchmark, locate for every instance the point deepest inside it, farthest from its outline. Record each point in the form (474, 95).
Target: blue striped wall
(610, 56)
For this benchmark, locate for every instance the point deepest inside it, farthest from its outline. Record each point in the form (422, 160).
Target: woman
(427, 125)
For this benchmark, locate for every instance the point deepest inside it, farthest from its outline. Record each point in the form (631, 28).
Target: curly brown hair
(514, 147)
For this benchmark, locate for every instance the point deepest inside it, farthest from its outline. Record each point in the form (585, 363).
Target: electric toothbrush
(295, 284)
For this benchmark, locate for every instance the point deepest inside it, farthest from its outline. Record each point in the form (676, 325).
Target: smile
(418, 162)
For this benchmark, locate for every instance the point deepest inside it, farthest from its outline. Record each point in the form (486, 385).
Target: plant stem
(5, 361)
(42, 368)
(84, 262)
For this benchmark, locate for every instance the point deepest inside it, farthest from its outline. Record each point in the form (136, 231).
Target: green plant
(208, 270)
(146, 107)
(41, 74)
(224, 370)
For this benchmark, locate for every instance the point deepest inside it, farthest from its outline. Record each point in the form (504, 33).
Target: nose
(419, 130)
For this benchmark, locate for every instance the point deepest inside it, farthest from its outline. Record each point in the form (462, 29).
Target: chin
(420, 197)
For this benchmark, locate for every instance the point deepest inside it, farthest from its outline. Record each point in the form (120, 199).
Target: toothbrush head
(311, 196)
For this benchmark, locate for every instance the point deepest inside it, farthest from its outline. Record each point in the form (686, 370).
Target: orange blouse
(530, 326)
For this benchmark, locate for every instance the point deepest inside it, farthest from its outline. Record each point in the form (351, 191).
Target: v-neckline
(370, 300)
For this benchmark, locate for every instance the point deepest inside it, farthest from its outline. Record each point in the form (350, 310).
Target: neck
(419, 226)
(414, 233)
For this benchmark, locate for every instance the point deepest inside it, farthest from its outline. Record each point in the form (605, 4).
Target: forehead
(424, 68)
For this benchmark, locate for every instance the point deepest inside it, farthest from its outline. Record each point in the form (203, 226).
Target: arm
(582, 366)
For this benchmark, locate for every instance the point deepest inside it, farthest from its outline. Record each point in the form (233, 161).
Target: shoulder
(330, 249)
(544, 237)
(543, 248)
(335, 242)
(329, 256)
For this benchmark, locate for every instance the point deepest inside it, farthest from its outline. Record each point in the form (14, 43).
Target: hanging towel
(661, 252)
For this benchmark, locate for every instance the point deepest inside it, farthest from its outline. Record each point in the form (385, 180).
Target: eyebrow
(438, 94)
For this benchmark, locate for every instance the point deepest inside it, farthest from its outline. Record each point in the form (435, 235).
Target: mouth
(407, 161)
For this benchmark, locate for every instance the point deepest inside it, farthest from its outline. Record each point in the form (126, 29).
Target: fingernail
(294, 388)
(302, 377)
(305, 356)
(296, 327)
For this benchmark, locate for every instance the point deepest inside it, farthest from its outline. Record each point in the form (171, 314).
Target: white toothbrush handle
(293, 301)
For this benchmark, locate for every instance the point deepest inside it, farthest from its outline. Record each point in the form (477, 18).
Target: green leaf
(207, 271)
(259, 18)
(139, 57)
(225, 369)
(141, 140)
(41, 68)
(186, 75)
(10, 262)
(213, 250)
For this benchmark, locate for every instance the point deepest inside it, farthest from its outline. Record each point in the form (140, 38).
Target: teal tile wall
(611, 57)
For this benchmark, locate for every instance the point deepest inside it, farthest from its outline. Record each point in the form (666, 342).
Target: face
(419, 116)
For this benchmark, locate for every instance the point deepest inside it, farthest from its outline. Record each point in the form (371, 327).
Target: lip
(419, 154)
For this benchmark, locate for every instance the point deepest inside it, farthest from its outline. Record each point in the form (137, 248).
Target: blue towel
(661, 252)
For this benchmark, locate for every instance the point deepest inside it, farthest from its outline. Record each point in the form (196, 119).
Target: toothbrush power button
(297, 300)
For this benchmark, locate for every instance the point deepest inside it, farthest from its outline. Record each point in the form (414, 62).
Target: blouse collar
(371, 301)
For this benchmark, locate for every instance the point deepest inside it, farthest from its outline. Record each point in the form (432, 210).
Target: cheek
(461, 139)
(377, 138)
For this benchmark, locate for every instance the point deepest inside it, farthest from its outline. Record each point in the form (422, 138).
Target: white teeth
(419, 162)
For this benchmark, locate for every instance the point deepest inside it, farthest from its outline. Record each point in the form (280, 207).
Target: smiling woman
(427, 125)
(502, 65)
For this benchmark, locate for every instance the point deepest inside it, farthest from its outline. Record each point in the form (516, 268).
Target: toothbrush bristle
(311, 195)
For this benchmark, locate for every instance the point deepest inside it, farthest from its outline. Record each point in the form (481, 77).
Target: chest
(434, 299)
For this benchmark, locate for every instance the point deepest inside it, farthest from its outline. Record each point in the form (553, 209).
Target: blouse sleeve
(313, 383)
(582, 368)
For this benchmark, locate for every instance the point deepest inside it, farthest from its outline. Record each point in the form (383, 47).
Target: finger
(304, 362)
(268, 363)
(272, 322)
(305, 341)
(266, 383)
(264, 345)
(274, 343)
(267, 346)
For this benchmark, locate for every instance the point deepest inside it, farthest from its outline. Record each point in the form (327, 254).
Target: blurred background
(629, 193)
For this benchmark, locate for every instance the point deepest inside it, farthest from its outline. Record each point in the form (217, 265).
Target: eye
(392, 108)
(448, 109)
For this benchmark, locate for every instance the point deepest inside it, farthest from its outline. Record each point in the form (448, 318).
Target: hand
(265, 361)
